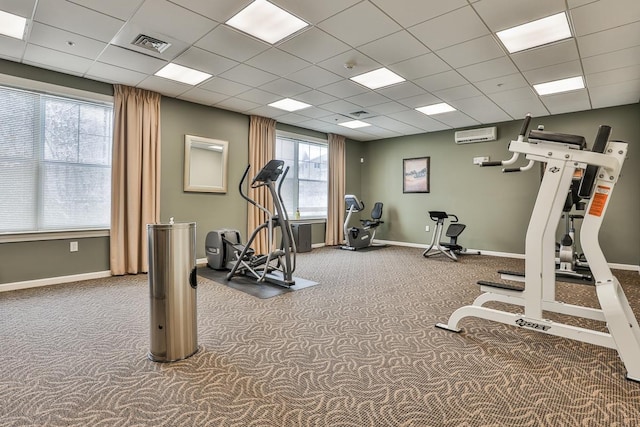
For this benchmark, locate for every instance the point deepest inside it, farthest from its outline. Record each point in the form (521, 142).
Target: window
(305, 187)
(55, 162)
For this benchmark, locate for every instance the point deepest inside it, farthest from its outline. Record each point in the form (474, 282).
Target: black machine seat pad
(562, 138)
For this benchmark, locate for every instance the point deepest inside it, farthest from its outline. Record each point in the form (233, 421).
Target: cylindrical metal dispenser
(172, 289)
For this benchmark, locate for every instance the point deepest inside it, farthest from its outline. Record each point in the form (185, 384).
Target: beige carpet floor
(360, 349)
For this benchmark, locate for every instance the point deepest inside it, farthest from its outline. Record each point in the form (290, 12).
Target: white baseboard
(53, 281)
(612, 265)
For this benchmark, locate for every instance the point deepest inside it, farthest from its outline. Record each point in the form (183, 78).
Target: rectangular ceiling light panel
(12, 25)
(536, 33)
(354, 124)
(430, 110)
(182, 74)
(378, 78)
(558, 86)
(266, 21)
(289, 104)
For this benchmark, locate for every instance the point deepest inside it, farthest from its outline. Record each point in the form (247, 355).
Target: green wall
(496, 206)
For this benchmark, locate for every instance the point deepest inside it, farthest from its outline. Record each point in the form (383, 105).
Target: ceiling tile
(441, 81)
(167, 18)
(203, 60)
(420, 66)
(202, 96)
(420, 100)
(77, 19)
(499, 84)
(54, 38)
(556, 53)
(419, 120)
(458, 92)
(609, 61)
(231, 44)
(340, 106)
(392, 124)
(608, 40)
(368, 98)
(609, 77)
(314, 77)
(455, 119)
(577, 100)
(341, 25)
(627, 92)
(292, 118)
(235, 104)
(314, 45)
(603, 15)
(471, 52)
(436, 33)
(12, 49)
(49, 58)
(134, 61)
(314, 112)
(22, 8)
(315, 97)
(247, 75)
(285, 88)
(343, 89)
(401, 91)
(121, 9)
(554, 72)
(314, 11)
(481, 109)
(388, 107)
(359, 62)
(489, 69)
(219, 10)
(503, 14)
(165, 86)
(112, 74)
(224, 86)
(266, 111)
(519, 102)
(259, 96)
(386, 52)
(411, 12)
(277, 62)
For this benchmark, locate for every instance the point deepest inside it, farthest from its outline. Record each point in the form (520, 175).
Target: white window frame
(315, 140)
(67, 92)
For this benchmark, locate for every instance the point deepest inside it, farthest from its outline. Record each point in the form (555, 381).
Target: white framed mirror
(205, 164)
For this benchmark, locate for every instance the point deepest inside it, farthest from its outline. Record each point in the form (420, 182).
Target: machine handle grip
(507, 170)
(498, 163)
(193, 278)
(525, 125)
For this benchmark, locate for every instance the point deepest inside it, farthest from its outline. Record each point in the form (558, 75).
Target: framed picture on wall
(415, 175)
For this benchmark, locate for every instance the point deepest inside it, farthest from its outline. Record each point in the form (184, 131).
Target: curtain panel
(335, 207)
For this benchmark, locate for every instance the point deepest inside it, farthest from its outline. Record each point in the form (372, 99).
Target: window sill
(52, 235)
(308, 221)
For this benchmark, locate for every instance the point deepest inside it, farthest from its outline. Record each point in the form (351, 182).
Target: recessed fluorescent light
(536, 33)
(182, 74)
(289, 104)
(378, 78)
(266, 21)
(12, 25)
(354, 124)
(430, 110)
(557, 86)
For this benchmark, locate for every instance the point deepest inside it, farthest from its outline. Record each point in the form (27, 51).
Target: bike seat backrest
(454, 230)
(376, 212)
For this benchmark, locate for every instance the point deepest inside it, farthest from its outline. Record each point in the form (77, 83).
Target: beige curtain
(335, 209)
(135, 182)
(262, 142)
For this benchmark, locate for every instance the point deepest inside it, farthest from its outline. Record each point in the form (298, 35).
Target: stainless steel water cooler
(172, 289)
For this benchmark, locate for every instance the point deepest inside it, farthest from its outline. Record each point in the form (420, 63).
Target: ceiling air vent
(359, 114)
(149, 43)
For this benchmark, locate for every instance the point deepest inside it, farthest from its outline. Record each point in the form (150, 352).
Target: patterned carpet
(358, 350)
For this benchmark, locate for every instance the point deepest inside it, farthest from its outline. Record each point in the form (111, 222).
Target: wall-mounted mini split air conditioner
(476, 135)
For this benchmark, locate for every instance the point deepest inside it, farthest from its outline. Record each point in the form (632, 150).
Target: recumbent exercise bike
(356, 237)
(452, 248)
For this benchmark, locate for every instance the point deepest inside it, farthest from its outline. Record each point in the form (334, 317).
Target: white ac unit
(476, 135)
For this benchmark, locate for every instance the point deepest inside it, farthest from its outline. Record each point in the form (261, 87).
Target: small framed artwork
(415, 175)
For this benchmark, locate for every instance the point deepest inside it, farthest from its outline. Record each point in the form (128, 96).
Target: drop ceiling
(446, 50)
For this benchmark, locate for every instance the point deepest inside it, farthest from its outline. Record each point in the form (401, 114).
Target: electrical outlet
(426, 228)
(73, 247)
(478, 160)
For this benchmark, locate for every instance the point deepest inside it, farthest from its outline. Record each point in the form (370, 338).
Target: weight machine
(563, 155)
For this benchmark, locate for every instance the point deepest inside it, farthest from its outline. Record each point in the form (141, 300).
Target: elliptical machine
(225, 251)
(356, 237)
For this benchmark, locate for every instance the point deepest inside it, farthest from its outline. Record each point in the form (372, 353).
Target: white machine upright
(602, 169)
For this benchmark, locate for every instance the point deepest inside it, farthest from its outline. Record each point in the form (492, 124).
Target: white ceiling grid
(446, 50)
